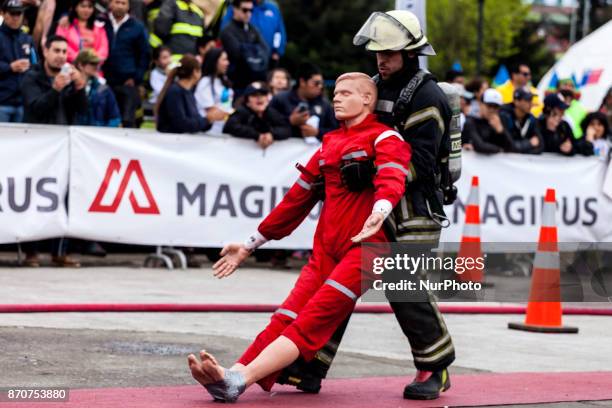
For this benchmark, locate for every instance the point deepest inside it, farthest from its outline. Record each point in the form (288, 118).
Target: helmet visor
(382, 32)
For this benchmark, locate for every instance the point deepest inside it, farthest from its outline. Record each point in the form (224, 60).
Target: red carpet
(467, 390)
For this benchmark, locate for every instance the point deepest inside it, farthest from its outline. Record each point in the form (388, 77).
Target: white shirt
(222, 99)
(117, 24)
(157, 81)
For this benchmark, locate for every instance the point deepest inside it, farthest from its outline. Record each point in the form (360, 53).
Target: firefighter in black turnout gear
(410, 100)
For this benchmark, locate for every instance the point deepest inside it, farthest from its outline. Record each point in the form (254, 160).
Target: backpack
(255, 56)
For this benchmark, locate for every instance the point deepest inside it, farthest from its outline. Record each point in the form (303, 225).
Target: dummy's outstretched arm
(282, 221)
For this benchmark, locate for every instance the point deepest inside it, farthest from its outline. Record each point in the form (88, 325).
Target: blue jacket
(102, 109)
(128, 56)
(268, 19)
(14, 45)
(521, 132)
(178, 112)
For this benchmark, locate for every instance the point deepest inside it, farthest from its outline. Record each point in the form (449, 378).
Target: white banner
(142, 187)
(512, 187)
(153, 189)
(34, 165)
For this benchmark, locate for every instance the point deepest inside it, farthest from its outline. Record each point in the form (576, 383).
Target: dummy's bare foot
(211, 368)
(196, 369)
(224, 385)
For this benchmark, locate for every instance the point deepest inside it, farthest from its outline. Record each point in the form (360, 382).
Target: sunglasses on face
(492, 106)
(15, 13)
(525, 74)
(246, 9)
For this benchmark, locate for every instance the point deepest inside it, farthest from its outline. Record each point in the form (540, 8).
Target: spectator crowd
(512, 118)
(193, 66)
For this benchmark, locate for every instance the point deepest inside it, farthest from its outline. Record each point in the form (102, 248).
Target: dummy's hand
(233, 255)
(370, 227)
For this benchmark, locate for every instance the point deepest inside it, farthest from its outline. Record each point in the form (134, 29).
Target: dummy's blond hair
(365, 85)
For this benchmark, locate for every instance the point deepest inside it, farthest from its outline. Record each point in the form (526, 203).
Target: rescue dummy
(360, 171)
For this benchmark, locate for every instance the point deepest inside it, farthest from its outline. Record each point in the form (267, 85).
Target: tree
(321, 32)
(452, 31)
(531, 50)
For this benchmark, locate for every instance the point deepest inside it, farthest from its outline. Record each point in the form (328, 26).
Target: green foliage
(452, 30)
(321, 32)
(532, 50)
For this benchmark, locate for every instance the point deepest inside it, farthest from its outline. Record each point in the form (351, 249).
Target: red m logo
(133, 168)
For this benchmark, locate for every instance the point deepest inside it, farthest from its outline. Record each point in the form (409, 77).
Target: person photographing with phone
(54, 91)
(54, 94)
(308, 111)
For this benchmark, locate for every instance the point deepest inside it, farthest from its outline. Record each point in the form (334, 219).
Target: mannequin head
(354, 97)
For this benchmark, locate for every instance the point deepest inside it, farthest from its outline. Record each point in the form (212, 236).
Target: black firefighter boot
(307, 376)
(298, 374)
(429, 389)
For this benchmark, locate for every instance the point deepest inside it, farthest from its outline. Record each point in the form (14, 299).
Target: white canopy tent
(590, 57)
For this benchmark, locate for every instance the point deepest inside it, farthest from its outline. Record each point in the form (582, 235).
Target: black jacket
(285, 102)
(240, 41)
(43, 104)
(484, 138)
(554, 139)
(424, 124)
(14, 45)
(521, 132)
(178, 112)
(246, 124)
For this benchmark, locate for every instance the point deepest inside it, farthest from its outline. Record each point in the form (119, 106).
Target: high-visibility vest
(574, 115)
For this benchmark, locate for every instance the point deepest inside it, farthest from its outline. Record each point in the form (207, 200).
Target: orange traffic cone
(544, 307)
(470, 246)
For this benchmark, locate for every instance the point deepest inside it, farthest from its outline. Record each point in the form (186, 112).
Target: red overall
(329, 285)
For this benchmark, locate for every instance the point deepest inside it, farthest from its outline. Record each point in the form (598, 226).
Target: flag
(594, 76)
(457, 66)
(501, 77)
(554, 81)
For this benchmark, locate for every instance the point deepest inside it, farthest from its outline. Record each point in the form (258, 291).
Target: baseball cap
(87, 56)
(13, 5)
(462, 91)
(256, 88)
(492, 96)
(523, 94)
(555, 100)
